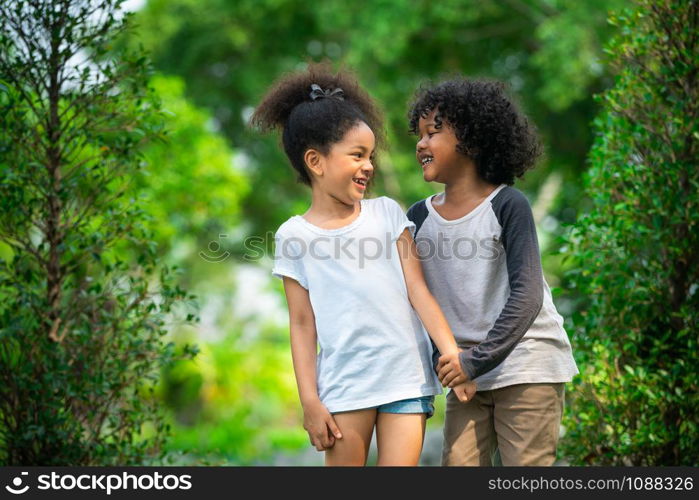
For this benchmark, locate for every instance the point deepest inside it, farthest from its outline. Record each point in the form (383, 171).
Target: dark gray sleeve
(525, 276)
(417, 213)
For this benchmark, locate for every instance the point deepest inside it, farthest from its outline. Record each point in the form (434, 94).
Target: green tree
(636, 252)
(83, 303)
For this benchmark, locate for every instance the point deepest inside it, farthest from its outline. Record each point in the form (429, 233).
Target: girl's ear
(314, 161)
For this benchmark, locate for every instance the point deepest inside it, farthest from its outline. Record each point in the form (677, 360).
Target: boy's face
(436, 150)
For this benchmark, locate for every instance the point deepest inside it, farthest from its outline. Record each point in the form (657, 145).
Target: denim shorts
(424, 404)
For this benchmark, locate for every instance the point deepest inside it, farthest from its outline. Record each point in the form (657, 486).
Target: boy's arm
(425, 304)
(526, 286)
(317, 419)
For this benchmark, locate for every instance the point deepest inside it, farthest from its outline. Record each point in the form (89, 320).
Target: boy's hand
(320, 425)
(465, 392)
(449, 370)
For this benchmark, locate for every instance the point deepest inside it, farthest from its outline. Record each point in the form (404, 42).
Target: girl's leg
(399, 438)
(356, 428)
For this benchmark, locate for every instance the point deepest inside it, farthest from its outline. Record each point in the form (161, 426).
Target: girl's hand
(320, 425)
(449, 370)
(465, 392)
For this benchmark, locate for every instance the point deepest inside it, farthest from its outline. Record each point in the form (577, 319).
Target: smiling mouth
(360, 182)
(426, 160)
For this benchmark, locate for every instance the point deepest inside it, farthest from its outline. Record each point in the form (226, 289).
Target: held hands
(449, 370)
(451, 374)
(320, 425)
(465, 392)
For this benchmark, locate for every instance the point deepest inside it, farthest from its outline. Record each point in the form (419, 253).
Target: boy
(478, 245)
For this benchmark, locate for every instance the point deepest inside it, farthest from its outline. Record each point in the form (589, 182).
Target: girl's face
(347, 168)
(436, 150)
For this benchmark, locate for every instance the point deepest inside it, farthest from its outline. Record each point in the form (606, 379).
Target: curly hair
(489, 127)
(316, 123)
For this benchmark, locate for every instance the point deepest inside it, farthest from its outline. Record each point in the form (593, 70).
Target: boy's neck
(468, 186)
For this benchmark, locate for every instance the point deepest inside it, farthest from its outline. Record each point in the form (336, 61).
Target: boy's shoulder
(418, 208)
(510, 200)
(417, 213)
(510, 194)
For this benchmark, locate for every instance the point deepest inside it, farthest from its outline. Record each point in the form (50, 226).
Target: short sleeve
(288, 253)
(397, 218)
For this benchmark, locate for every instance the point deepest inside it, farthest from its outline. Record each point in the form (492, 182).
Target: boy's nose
(420, 145)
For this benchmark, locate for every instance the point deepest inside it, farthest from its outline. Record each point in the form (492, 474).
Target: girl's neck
(325, 208)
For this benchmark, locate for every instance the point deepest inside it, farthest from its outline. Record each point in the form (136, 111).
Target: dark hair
(316, 123)
(490, 129)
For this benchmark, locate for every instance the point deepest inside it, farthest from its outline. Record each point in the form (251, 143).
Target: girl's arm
(427, 307)
(318, 422)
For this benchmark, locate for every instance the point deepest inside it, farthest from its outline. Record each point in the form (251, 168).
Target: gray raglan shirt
(484, 269)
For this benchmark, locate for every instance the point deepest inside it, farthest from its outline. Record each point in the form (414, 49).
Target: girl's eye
(358, 155)
(430, 134)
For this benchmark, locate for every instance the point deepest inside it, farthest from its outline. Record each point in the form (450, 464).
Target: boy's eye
(358, 155)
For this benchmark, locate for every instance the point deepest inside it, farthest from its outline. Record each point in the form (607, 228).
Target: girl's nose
(420, 145)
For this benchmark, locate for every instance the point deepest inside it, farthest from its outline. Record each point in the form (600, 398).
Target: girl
(472, 139)
(350, 275)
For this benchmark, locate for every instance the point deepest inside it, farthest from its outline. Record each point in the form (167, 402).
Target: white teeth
(360, 181)
(426, 160)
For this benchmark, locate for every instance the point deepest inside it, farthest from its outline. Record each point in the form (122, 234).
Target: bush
(637, 252)
(83, 304)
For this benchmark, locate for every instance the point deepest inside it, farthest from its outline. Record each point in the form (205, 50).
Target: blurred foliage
(636, 252)
(232, 404)
(192, 188)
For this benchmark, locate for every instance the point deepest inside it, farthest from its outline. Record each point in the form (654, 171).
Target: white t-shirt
(373, 348)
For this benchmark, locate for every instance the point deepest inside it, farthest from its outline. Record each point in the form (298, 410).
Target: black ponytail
(314, 109)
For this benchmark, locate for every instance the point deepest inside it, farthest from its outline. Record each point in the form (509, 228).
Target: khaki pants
(521, 421)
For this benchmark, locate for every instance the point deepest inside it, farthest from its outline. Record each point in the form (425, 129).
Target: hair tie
(319, 93)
